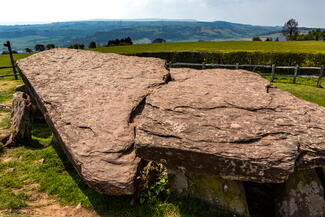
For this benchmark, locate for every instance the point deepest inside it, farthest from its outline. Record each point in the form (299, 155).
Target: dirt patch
(6, 85)
(40, 205)
(5, 159)
(4, 131)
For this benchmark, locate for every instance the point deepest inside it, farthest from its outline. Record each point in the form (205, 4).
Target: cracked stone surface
(91, 100)
(230, 123)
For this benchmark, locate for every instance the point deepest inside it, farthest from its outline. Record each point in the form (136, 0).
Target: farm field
(224, 46)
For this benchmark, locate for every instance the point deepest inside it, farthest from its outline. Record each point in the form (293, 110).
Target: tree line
(291, 32)
(91, 45)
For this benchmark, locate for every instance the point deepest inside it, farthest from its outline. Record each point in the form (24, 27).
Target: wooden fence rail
(205, 65)
(12, 61)
(272, 67)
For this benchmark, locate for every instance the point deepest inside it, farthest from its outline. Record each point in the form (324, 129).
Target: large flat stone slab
(230, 123)
(91, 101)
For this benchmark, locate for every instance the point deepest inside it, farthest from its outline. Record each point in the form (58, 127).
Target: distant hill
(173, 31)
(141, 31)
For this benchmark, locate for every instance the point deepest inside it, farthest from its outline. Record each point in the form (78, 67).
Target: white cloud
(261, 12)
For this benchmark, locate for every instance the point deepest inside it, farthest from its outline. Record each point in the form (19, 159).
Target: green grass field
(223, 46)
(5, 61)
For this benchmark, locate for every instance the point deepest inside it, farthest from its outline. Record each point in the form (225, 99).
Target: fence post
(237, 66)
(321, 74)
(273, 73)
(296, 73)
(169, 64)
(203, 65)
(8, 45)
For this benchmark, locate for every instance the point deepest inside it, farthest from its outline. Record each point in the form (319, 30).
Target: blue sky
(259, 12)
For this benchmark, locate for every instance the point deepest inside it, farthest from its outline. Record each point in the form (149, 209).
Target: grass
(304, 88)
(312, 94)
(223, 46)
(5, 61)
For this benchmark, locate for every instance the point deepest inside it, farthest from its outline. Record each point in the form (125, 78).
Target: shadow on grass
(108, 205)
(76, 190)
(122, 205)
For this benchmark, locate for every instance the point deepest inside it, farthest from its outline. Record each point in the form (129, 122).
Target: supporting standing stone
(21, 120)
(226, 194)
(301, 196)
(178, 183)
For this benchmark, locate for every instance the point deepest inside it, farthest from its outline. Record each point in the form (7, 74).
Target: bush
(256, 39)
(256, 58)
(120, 42)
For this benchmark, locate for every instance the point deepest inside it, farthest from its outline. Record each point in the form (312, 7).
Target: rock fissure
(137, 110)
(162, 135)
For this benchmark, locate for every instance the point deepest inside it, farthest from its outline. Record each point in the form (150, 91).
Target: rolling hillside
(66, 33)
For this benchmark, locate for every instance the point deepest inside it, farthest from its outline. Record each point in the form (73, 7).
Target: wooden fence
(273, 68)
(12, 61)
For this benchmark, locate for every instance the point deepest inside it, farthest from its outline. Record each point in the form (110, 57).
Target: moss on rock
(226, 194)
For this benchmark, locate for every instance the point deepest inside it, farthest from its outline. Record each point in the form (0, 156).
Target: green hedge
(256, 58)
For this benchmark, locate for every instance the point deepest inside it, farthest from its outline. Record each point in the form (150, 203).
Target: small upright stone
(301, 196)
(21, 120)
(178, 183)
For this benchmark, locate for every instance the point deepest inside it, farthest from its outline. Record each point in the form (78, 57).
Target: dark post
(237, 66)
(8, 45)
(321, 74)
(296, 73)
(203, 65)
(273, 73)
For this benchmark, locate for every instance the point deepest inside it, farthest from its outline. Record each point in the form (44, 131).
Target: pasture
(222, 46)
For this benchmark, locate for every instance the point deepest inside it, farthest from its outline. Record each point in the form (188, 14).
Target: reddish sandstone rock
(230, 123)
(91, 100)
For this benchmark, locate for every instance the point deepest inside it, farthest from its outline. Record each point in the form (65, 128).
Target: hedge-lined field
(223, 47)
(303, 53)
(256, 58)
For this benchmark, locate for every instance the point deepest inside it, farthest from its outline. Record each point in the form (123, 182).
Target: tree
(39, 47)
(77, 46)
(290, 29)
(257, 38)
(159, 40)
(92, 44)
(269, 39)
(50, 46)
(28, 50)
(129, 41)
(119, 42)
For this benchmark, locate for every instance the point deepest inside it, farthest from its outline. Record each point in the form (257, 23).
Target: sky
(309, 13)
